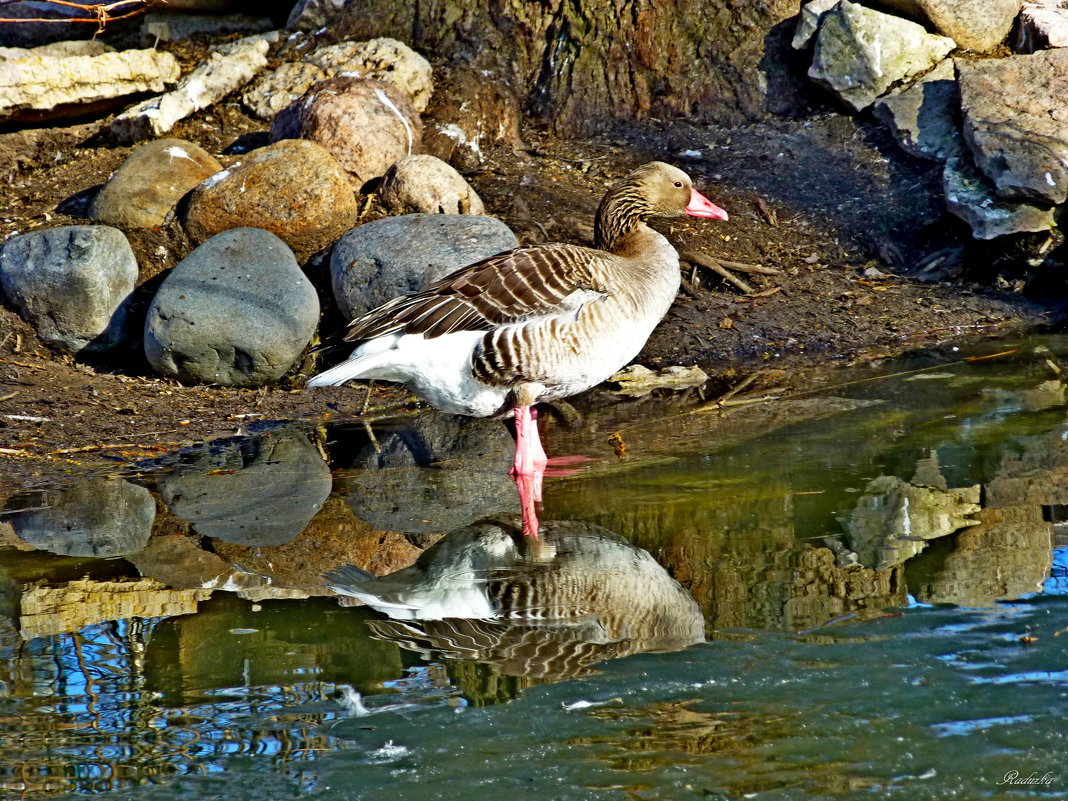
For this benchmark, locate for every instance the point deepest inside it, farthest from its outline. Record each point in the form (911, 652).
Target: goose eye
(678, 184)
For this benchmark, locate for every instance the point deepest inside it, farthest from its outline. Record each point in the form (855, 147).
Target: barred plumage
(536, 323)
(475, 596)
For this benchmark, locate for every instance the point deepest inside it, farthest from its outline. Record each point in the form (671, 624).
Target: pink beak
(701, 206)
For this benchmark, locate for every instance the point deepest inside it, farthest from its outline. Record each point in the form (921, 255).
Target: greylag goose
(475, 595)
(537, 323)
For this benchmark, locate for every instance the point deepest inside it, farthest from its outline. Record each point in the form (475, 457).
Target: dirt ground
(828, 202)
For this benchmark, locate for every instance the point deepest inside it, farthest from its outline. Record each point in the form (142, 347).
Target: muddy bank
(842, 217)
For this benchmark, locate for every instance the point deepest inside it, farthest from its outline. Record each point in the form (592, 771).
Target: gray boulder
(72, 284)
(237, 311)
(809, 22)
(311, 14)
(257, 492)
(1042, 24)
(1016, 123)
(925, 117)
(972, 24)
(147, 186)
(861, 53)
(380, 260)
(101, 517)
(971, 197)
(427, 185)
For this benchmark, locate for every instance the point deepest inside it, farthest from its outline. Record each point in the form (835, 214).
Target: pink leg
(529, 486)
(529, 467)
(529, 454)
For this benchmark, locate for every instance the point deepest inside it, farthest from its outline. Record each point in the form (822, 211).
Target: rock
(470, 111)
(220, 74)
(383, 59)
(293, 188)
(308, 15)
(427, 185)
(87, 47)
(380, 260)
(72, 283)
(893, 519)
(1016, 123)
(1006, 557)
(164, 27)
(366, 125)
(273, 91)
(145, 188)
(809, 22)
(73, 606)
(335, 537)
(925, 117)
(860, 53)
(637, 381)
(260, 491)
(973, 24)
(40, 87)
(177, 562)
(100, 517)
(972, 198)
(236, 311)
(1042, 24)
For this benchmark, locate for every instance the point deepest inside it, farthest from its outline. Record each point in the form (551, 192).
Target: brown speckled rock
(148, 185)
(366, 125)
(293, 188)
(427, 185)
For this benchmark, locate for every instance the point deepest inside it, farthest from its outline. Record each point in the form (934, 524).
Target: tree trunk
(579, 64)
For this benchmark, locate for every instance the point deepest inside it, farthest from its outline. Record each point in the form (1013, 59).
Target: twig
(711, 264)
(707, 261)
(718, 402)
(767, 212)
(112, 447)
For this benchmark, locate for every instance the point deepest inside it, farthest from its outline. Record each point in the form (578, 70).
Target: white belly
(438, 370)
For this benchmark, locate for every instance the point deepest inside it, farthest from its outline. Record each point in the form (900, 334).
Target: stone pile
(998, 124)
(238, 310)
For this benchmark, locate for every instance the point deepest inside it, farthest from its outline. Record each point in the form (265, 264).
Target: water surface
(851, 592)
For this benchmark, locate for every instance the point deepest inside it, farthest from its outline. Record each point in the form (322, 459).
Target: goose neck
(622, 212)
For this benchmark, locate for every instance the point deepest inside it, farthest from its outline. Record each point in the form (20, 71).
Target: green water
(878, 568)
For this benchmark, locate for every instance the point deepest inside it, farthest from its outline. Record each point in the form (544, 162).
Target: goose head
(655, 189)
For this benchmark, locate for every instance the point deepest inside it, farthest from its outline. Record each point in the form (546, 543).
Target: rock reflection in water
(258, 491)
(546, 609)
(467, 479)
(894, 519)
(100, 517)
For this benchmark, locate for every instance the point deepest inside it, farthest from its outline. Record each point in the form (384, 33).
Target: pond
(852, 591)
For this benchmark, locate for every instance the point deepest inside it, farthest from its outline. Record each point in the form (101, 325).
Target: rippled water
(852, 592)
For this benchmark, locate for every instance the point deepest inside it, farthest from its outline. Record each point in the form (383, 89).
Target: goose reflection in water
(545, 608)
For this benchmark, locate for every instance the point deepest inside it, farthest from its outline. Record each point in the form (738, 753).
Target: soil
(845, 218)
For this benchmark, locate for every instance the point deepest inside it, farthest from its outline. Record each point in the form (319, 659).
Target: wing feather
(510, 287)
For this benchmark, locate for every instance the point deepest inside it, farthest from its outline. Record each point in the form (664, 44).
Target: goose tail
(352, 368)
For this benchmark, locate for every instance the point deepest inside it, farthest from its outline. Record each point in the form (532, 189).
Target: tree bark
(579, 64)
